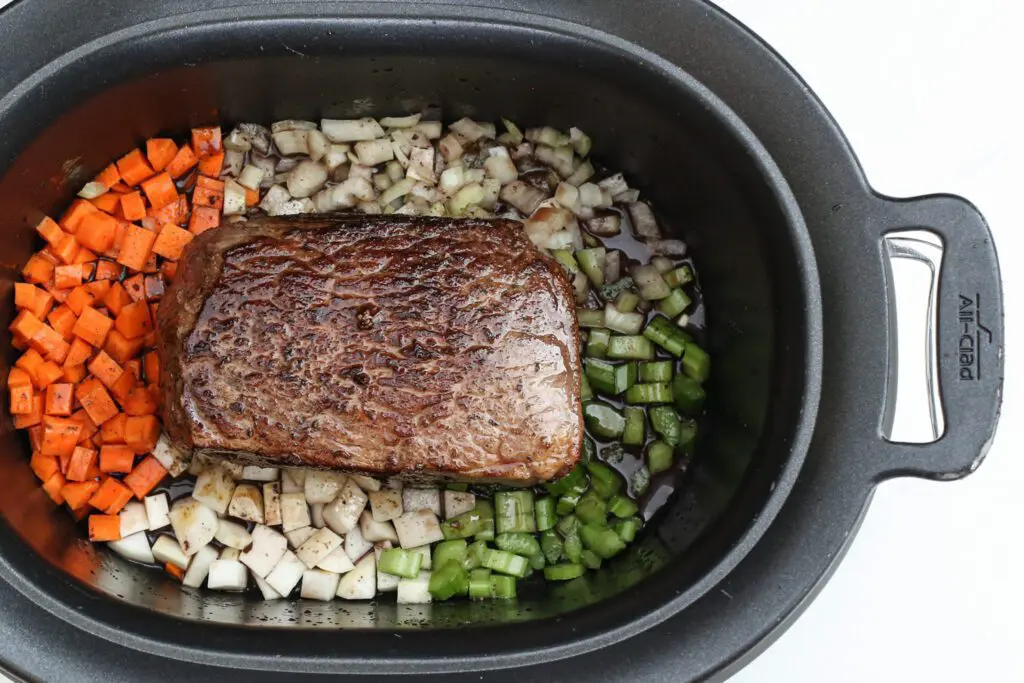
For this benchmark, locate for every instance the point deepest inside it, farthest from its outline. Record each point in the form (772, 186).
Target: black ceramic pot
(742, 160)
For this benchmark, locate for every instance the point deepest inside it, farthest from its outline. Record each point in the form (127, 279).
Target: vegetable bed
(85, 387)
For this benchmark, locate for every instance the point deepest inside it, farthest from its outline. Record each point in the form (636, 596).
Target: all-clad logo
(972, 334)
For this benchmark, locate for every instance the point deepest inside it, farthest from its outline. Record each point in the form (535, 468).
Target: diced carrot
(73, 374)
(210, 183)
(123, 386)
(146, 475)
(160, 152)
(80, 463)
(109, 176)
(72, 219)
(107, 202)
(151, 340)
(60, 435)
(133, 168)
(30, 362)
(135, 286)
(50, 343)
(120, 226)
(49, 231)
(105, 369)
(133, 320)
(58, 400)
(120, 188)
(99, 289)
(211, 165)
(252, 197)
(108, 270)
(96, 401)
(183, 160)
(132, 206)
(79, 299)
(169, 269)
(19, 378)
(44, 466)
(21, 400)
(43, 303)
(206, 197)
(93, 326)
(47, 253)
(141, 432)
(174, 570)
(112, 431)
(53, 485)
(154, 287)
(67, 250)
(203, 218)
(37, 270)
(77, 493)
(206, 141)
(60, 296)
(160, 190)
(66, 277)
(89, 427)
(63, 320)
(104, 528)
(116, 458)
(35, 434)
(88, 261)
(97, 231)
(79, 352)
(134, 366)
(136, 247)
(140, 401)
(151, 367)
(25, 293)
(111, 496)
(25, 325)
(48, 373)
(150, 266)
(121, 348)
(33, 418)
(117, 298)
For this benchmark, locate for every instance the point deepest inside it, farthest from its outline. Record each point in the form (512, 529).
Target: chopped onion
(303, 181)
(467, 195)
(266, 589)
(168, 550)
(233, 162)
(355, 545)
(381, 181)
(374, 531)
(318, 145)
(450, 148)
(469, 130)
(373, 152)
(322, 486)
(425, 192)
(650, 283)
(233, 535)
(136, 547)
(342, 514)
(623, 323)
(237, 141)
(194, 523)
(582, 174)
(247, 503)
(291, 142)
(337, 561)
(421, 165)
(386, 505)
(673, 248)
(644, 224)
(581, 287)
(400, 121)
(557, 158)
(199, 567)
(432, 129)
(361, 582)
(258, 136)
(360, 171)
(251, 177)
(605, 226)
(544, 223)
(92, 190)
(627, 197)
(227, 575)
(492, 189)
(568, 196)
(351, 130)
(419, 527)
(396, 191)
(317, 547)
(523, 196)
(499, 165)
(133, 518)
(291, 124)
(318, 584)
(286, 574)
(336, 156)
(515, 135)
(275, 197)
(615, 184)
(268, 546)
(612, 266)
(547, 136)
(452, 179)
(663, 264)
(457, 502)
(414, 591)
(294, 511)
(580, 141)
(234, 198)
(157, 511)
(590, 195)
(522, 151)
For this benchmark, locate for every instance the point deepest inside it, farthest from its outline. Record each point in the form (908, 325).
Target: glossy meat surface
(426, 347)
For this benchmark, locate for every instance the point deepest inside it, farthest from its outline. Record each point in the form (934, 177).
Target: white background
(929, 94)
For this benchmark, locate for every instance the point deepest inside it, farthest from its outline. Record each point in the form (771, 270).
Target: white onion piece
(515, 135)
(414, 591)
(268, 546)
(227, 575)
(581, 287)
(644, 224)
(418, 528)
(568, 196)
(233, 535)
(297, 537)
(673, 248)
(272, 503)
(612, 266)
(199, 567)
(274, 199)
(385, 505)
(424, 552)
(425, 192)
(291, 142)
(336, 156)
(522, 151)
(450, 148)
(257, 473)
(291, 124)
(351, 130)
(355, 545)
(228, 553)
(374, 531)
(582, 174)
(492, 189)
(400, 121)
(234, 198)
(361, 582)
(663, 264)
(394, 171)
(318, 145)
(343, 512)
(452, 179)
(136, 547)
(194, 523)
(133, 518)
(385, 582)
(416, 498)
(523, 196)
(157, 511)
(294, 511)
(337, 561)
(266, 589)
(547, 136)
(232, 164)
(247, 504)
(304, 180)
(396, 191)
(92, 190)
(166, 550)
(432, 129)
(318, 585)
(557, 158)
(365, 482)
(650, 283)
(321, 486)
(258, 136)
(373, 152)
(293, 480)
(457, 502)
(322, 543)
(237, 141)
(627, 197)
(466, 196)
(469, 130)
(286, 574)
(316, 514)
(590, 195)
(382, 181)
(616, 184)
(605, 226)
(623, 323)
(501, 167)
(172, 459)
(581, 142)
(545, 222)
(421, 165)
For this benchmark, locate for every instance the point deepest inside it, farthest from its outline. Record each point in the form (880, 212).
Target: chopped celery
(635, 432)
(597, 343)
(622, 507)
(655, 392)
(630, 347)
(665, 422)
(453, 550)
(575, 482)
(627, 528)
(623, 323)
(503, 587)
(566, 504)
(566, 260)
(513, 511)
(656, 371)
(626, 301)
(448, 580)
(613, 290)
(679, 277)
(696, 362)
(639, 482)
(667, 335)
(478, 520)
(659, 456)
(537, 561)
(572, 547)
(475, 554)
(591, 509)
(592, 264)
(479, 584)
(551, 546)
(400, 562)
(506, 563)
(603, 420)
(589, 449)
(604, 481)
(544, 509)
(586, 392)
(563, 572)
(518, 543)
(590, 560)
(601, 375)
(687, 393)
(601, 540)
(625, 377)
(590, 318)
(567, 526)
(650, 283)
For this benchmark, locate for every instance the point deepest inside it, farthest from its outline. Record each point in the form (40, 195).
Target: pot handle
(966, 334)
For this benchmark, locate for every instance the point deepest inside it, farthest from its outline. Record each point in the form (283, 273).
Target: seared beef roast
(430, 347)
